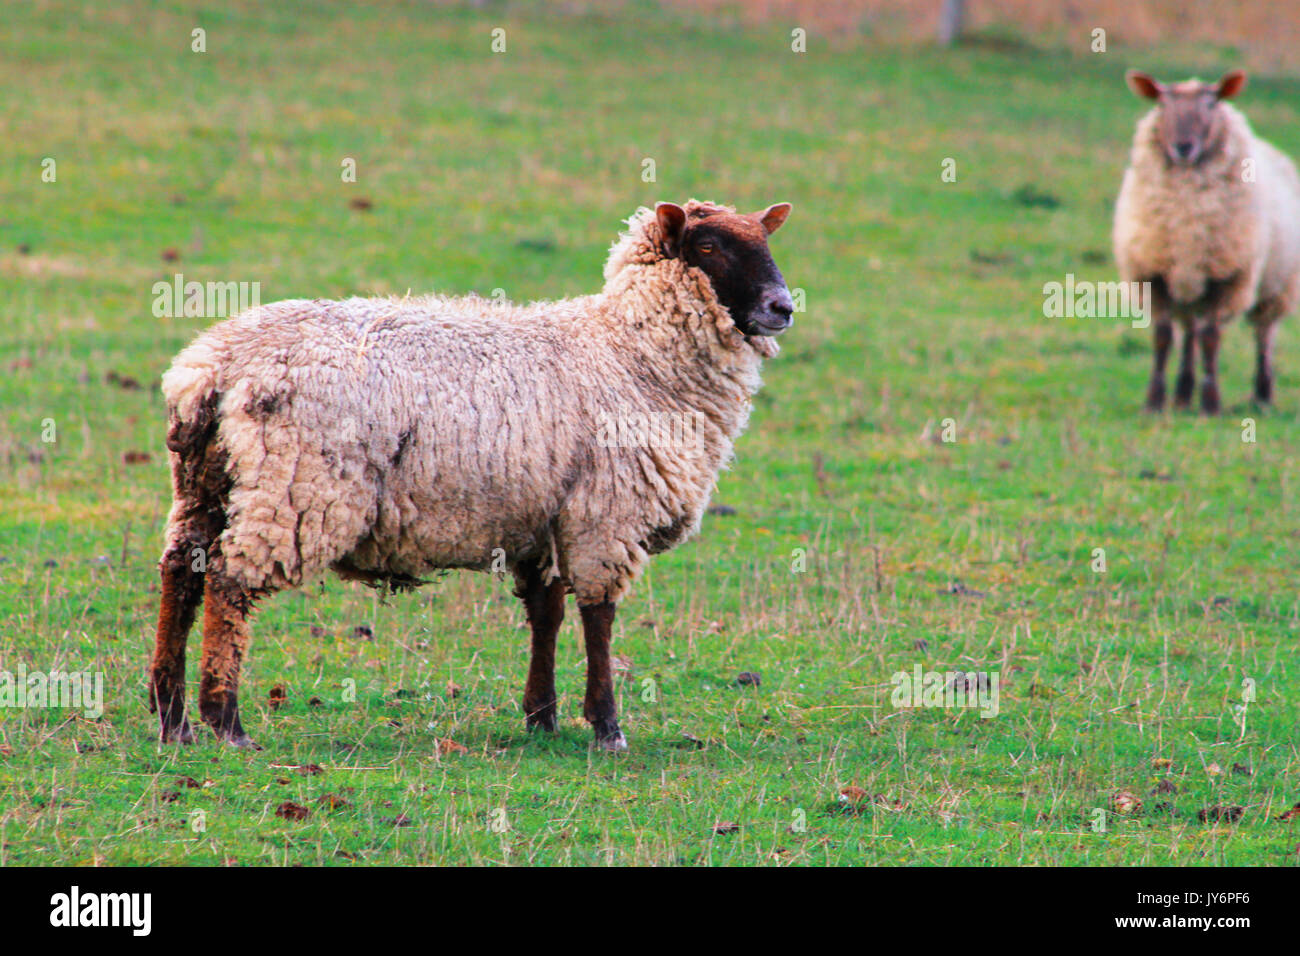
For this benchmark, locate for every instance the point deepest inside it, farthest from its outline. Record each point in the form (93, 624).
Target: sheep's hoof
(541, 719)
(614, 743)
(234, 736)
(1210, 404)
(177, 735)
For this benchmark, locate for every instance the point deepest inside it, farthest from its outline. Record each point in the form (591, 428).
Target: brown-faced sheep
(388, 438)
(1209, 215)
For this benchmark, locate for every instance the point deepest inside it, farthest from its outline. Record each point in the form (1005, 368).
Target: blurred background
(1262, 33)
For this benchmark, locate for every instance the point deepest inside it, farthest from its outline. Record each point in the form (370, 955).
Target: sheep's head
(731, 249)
(1191, 126)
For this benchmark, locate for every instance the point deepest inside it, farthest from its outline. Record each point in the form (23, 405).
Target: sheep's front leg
(545, 606)
(1208, 335)
(225, 639)
(1159, 309)
(1164, 337)
(1226, 298)
(599, 707)
(1186, 383)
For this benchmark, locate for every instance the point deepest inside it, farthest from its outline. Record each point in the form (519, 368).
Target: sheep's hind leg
(599, 707)
(545, 606)
(1185, 385)
(1264, 318)
(182, 590)
(226, 606)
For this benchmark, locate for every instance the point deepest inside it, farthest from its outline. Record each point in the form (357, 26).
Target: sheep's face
(731, 249)
(1191, 125)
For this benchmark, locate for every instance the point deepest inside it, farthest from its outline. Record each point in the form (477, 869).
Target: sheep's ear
(773, 216)
(1231, 84)
(672, 223)
(1143, 84)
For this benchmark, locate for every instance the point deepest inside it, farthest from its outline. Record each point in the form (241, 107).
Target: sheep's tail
(191, 381)
(199, 479)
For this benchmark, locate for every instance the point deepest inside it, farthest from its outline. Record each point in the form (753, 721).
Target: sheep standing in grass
(388, 438)
(1209, 215)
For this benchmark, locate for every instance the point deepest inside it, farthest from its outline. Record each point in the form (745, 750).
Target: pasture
(1147, 712)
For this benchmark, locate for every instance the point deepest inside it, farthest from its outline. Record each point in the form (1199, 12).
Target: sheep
(1209, 215)
(385, 439)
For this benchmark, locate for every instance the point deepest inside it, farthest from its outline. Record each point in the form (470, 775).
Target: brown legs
(1202, 324)
(545, 606)
(225, 637)
(1206, 335)
(599, 707)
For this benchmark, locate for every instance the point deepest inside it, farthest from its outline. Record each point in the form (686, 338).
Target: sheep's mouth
(1184, 154)
(769, 325)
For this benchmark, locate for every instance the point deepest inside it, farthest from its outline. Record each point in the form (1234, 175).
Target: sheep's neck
(709, 367)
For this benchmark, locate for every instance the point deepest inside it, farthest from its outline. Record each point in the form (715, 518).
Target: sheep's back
(391, 437)
(1280, 184)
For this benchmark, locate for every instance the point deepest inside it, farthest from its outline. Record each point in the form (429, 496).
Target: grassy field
(1121, 691)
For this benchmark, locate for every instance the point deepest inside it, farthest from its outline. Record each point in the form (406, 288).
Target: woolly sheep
(1209, 215)
(388, 438)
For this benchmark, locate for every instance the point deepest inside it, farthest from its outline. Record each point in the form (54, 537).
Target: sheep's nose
(781, 304)
(1184, 148)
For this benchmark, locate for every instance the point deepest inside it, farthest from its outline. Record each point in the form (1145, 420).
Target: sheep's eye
(705, 247)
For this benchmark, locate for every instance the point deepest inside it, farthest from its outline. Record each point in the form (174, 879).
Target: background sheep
(387, 438)
(1209, 214)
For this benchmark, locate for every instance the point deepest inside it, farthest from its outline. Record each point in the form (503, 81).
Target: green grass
(513, 171)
